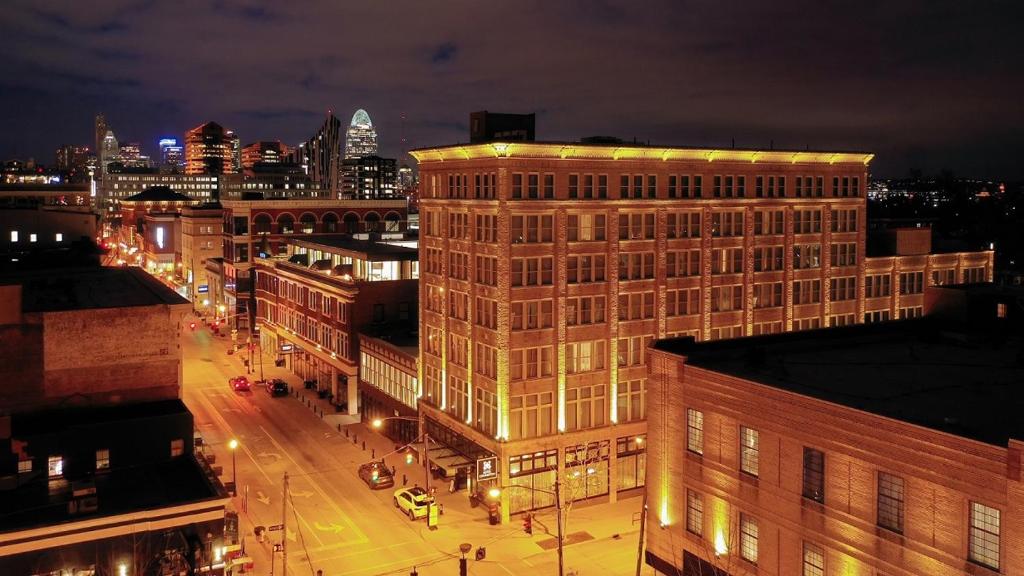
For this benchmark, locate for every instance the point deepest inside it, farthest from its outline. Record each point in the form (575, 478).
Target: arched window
(351, 223)
(261, 224)
(307, 223)
(392, 222)
(372, 221)
(286, 223)
(330, 221)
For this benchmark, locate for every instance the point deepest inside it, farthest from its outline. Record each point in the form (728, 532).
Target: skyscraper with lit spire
(360, 138)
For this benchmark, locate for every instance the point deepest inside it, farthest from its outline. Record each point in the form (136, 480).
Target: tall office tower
(322, 155)
(547, 269)
(130, 153)
(368, 177)
(172, 156)
(100, 127)
(264, 152)
(208, 150)
(109, 151)
(235, 145)
(72, 158)
(360, 138)
(406, 178)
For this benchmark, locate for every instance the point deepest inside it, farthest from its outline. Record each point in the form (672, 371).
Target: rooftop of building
(121, 490)
(158, 194)
(403, 336)
(66, 289)
(916, 371)
(370, 250)
(617, 150)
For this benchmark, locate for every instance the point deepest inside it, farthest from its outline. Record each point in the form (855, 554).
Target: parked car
(277, 387)
(240, 384)
(413, 501)
(376, 475)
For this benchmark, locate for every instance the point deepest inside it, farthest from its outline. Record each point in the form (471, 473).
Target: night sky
(930, 84)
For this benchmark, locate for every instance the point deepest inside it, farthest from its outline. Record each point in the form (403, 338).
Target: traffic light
(528, 524)
(408, 457)
(375, 474)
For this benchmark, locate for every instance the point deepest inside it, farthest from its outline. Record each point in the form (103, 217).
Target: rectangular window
(103, 459)
(24, 466)
(694, 512)
(748, 538)
(695, 431)
(814, 475)
(177, 447)
(749, 451)
(984, 536)
(814, 560)
(517, 186)
(890, 502)
(55, 466)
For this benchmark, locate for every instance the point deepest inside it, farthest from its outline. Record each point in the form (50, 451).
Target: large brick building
(890, 448)
(549, 267)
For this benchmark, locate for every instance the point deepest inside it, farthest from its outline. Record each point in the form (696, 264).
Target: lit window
(694, 512)
(890, 502)
(749, 450)
(24, 466)
(984, 538)
(14, 235)
(814, 560)
(748, 538)
(103, 459)
(31, 237)
(1001, 310)
(177, 447)
(695, 431)
(60, 237)
(56, 466)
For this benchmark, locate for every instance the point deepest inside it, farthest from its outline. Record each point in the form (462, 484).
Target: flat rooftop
(121, 490)
(58, 290)
(364, 249)
(912, 370)
(633, 151)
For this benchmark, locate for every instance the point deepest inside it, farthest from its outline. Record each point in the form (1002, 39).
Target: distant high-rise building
(406, 178)
(109, 151)
(486, 126)
(208, 150)
(130, 152)
(368, 177)
(322, 155)
(172, 156)
(235, 144)
(72, 158)
(264, 152)
(360, 138)
(100, 131)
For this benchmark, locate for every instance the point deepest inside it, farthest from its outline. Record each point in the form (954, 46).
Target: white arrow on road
(301, 493)
(271, 455)
(230, 410)
(332, 527)
(262, 498)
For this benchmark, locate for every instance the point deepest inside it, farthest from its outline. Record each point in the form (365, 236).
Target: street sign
(487, 468)
(275, 527)
(286, 348)
(203, 288)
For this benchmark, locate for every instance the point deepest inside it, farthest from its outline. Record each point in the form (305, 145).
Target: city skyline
(922, 87)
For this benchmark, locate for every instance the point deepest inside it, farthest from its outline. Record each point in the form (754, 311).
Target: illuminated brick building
(548, 268)
(890, 448)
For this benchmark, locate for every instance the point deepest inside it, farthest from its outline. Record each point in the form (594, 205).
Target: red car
(240, 384)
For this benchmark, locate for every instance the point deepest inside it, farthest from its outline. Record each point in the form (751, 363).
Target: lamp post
(495, 493)
(233, 445)
(378, 422)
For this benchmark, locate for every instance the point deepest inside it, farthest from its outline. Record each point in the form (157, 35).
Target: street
(335, 522)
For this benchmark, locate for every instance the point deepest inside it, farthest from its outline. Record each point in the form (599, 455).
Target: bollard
(364, 445)
(373, 453)
(346, 430)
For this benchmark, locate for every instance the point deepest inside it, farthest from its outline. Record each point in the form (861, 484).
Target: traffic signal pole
(284, 528)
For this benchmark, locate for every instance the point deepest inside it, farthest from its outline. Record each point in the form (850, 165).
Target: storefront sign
(487, 468)
(204, 288)
(286, 348)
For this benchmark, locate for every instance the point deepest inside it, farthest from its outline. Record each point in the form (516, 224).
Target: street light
(377, 423)
(233, 444)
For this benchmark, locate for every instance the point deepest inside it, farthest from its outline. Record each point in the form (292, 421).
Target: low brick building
(891, 448)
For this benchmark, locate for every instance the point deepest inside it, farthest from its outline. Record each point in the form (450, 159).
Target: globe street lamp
(233, 445)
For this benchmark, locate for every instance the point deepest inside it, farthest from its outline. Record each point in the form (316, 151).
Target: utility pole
(640, 545)
(284, 528)
(558, 505)
(426, 471)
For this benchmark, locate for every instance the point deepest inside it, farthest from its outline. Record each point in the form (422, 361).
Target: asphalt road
(335, 523)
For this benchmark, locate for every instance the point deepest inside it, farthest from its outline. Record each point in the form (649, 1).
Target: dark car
(376, 475)
(277, 387)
